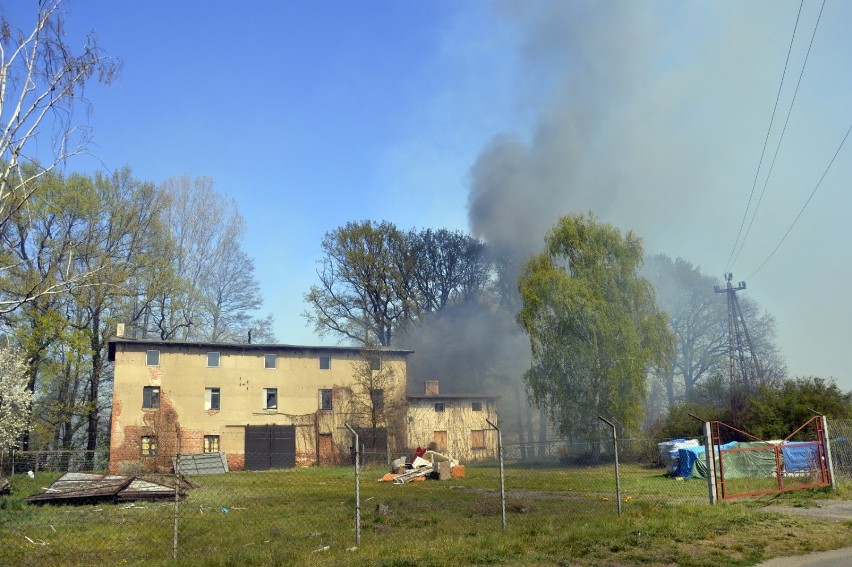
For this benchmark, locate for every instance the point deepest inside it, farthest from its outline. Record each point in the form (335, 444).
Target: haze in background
(497, 118)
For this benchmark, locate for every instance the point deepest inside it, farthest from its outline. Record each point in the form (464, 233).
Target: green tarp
(739, 460)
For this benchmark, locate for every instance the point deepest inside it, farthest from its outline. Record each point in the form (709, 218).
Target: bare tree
(211, 292)
(42, 82)
(377, 400)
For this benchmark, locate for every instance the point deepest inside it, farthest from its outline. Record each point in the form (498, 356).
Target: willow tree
(594, 326)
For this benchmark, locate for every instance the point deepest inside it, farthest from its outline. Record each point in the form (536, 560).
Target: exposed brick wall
(162, 423)
(236, 462)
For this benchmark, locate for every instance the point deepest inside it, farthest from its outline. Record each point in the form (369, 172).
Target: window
(151, 397)
(152, 358)
(212, 360)
(439, 406)
(149, 446)
(270, 398)
(477, 439)
(375, 362)
(270, 361)
(325, 399)
(377, 398)
(211, 399)
(476, 406)
(325, 362)
(211, 443)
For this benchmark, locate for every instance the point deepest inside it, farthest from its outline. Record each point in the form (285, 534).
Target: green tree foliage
(774, 411)
(42, 83)
(777, 410)
(375, 279)
(594, 327)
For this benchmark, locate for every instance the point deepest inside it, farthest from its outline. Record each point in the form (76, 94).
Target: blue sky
(652, 114)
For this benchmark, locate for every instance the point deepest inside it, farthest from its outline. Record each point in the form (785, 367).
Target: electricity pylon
(745, 371)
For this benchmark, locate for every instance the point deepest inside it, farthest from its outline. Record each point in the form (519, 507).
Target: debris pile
(425, 464)
(86, 488)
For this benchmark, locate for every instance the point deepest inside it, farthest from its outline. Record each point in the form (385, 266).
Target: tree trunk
(542, 432)
(520, 423)
(94, 385)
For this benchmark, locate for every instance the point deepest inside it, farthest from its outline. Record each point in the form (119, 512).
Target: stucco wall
(458, 419)
(182, 376)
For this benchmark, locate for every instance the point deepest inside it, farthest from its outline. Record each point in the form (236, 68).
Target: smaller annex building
(457, 424)
(262, 405)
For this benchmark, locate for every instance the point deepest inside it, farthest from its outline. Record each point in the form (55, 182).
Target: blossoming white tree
(15, 398)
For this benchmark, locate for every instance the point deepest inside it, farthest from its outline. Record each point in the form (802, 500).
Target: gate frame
(823, 452)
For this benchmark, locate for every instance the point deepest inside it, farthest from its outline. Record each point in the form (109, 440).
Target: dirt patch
(835, 510)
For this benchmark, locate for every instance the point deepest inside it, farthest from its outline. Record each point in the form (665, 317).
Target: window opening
(151, 397)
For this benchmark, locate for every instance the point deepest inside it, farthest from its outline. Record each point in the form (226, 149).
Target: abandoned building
(456, 423)
(276, 406)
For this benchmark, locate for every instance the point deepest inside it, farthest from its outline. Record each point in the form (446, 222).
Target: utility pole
(745, 371)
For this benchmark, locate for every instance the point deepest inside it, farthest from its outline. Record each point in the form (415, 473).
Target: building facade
(457, 424)
(263, 405)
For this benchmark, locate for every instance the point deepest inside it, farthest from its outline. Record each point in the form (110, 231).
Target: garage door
(270, 447)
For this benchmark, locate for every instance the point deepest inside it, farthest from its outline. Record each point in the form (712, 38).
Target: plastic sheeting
(800, 456)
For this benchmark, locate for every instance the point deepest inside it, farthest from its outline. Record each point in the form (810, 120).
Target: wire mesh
(297, 515)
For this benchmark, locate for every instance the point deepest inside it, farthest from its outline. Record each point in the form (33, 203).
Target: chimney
(432, 388)
(119, 330)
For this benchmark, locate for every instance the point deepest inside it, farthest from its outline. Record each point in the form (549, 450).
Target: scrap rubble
(86, 488)
(426, 464)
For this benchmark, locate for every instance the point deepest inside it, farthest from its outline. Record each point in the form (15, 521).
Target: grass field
(555, 516)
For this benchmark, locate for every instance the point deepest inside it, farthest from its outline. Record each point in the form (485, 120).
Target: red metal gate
(748, 466)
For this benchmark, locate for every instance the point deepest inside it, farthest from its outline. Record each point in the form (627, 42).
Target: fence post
(710, 463)
(502, 478)
(615, 450)
(357, 488)
(709, 458)
(175, 520)
(828, 452)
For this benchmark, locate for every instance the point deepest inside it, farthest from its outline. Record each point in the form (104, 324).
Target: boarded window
(377, 398)
(151, 397)
(440, 439)
(325, 399)
(270, 396)
(149, 446)
(477, 439)
(325, 362)
(211, 443)
(212, 360)
(439, 406)
(476, 406)
(211, 398)
(152, 358)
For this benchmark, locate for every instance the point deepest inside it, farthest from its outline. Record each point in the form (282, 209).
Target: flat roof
(241, 346)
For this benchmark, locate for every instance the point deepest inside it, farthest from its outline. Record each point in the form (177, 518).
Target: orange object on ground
(457, 471)
(418, 479)
(389, 477)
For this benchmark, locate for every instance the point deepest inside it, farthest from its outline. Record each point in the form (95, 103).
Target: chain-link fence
(310, 515)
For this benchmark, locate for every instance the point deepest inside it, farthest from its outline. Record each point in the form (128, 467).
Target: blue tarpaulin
(691, 459)
(799, 456)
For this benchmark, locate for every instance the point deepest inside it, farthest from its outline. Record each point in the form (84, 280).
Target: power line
(783, 130)
(766, 140)
(824, 173)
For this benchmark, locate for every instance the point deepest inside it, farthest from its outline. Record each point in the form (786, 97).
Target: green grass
(556, 516)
